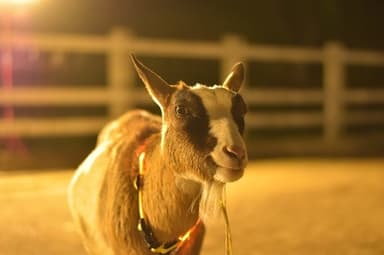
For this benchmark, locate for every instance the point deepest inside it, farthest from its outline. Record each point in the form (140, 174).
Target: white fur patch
(217, 101)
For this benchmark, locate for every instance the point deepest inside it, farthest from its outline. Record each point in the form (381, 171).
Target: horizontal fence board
(160, 47)
(62, 42)
(54, 96)
(364, 57)
(365, 117)
(363, 96)
(182, 48)
(175, 48)
(61, 96)
(66, 96)
(283, 120)
(51, 127)
(283, 96)
(283, 54)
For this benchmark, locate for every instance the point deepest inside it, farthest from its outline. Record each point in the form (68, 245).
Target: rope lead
(228, 235)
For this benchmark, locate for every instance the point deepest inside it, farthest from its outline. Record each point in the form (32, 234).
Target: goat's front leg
(193, 245)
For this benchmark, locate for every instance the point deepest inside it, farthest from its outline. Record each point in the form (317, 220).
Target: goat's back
(119, 139)
(135, 125)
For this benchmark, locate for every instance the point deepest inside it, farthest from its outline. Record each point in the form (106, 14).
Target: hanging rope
(228, 234)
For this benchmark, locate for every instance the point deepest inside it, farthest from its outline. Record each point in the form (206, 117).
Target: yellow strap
(139, 190)
(162, 250)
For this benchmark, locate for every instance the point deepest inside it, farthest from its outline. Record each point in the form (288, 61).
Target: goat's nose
(234, 151)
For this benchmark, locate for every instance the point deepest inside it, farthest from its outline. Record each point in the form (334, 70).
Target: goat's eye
(181, 111)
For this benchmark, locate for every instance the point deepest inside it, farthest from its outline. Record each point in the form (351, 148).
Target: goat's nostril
(234, 151)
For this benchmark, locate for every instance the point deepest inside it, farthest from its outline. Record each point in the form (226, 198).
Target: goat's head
(202, 126)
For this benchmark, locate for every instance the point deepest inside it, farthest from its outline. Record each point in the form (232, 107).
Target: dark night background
(357, 23)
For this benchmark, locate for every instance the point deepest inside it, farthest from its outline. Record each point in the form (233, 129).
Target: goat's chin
(228, 174)
(221, 173)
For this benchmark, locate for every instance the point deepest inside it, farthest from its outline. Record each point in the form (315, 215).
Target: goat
(179, 162)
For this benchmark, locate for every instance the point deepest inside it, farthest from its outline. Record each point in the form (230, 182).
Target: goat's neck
(170, 202)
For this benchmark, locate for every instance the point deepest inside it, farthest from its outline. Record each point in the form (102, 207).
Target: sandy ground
(279, 207)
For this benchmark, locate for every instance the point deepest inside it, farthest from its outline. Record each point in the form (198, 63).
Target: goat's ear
(157, 88)
(235, 78)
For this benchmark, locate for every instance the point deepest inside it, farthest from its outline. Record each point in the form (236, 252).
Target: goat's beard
(212, 199)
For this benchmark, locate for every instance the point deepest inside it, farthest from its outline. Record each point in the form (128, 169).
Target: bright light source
(17, 2)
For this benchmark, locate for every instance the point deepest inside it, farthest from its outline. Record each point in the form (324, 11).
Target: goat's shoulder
(133, 125)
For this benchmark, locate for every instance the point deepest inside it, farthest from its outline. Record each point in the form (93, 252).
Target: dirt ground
(279, 207)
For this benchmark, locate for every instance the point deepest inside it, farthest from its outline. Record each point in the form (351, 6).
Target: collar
(143, 225)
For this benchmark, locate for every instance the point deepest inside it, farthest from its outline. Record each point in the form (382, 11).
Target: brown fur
(169, 207)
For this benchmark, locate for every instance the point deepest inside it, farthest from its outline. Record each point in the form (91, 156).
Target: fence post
(334, 82)
(119, 73)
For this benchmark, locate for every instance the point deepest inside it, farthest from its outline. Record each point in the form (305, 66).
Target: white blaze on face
(217, 101)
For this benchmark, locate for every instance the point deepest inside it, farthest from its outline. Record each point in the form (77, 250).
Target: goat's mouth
(225, 173)
(228, 174)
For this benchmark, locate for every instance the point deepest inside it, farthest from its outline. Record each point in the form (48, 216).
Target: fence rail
(119, 94)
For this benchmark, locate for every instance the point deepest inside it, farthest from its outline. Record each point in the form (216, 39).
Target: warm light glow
(18, 2)
(187, 235)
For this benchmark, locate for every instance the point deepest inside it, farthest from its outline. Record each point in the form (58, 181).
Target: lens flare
(17, 2)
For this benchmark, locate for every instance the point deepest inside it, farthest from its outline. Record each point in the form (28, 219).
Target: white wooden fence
(120, 94)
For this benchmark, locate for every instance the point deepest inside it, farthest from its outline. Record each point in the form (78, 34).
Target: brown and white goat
(191, 151)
